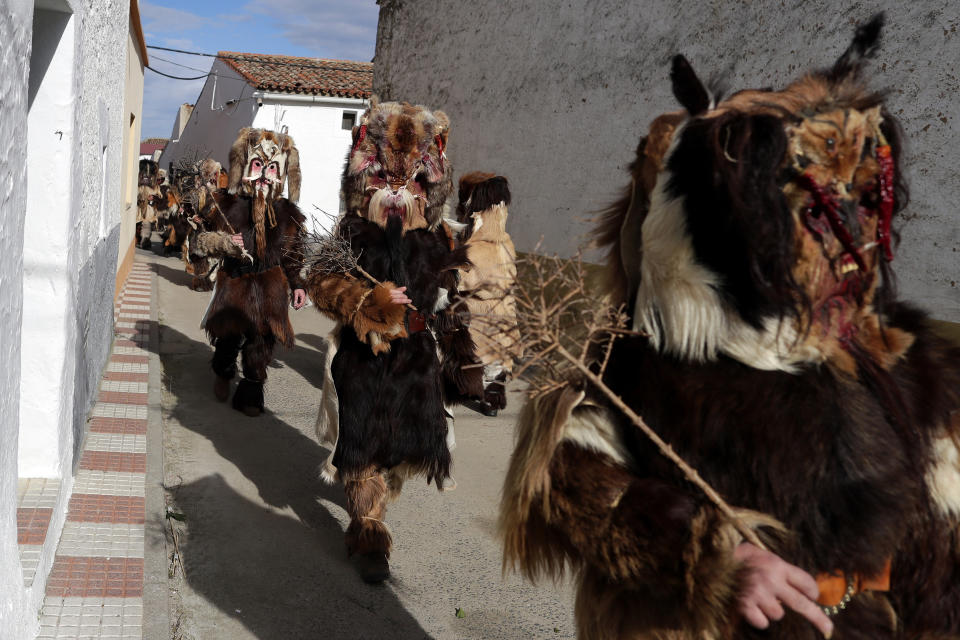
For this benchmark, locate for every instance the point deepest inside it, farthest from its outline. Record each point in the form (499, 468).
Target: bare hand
(773, 583)
(299, 298)
(237, 240)
(398, 296)
(197, 219)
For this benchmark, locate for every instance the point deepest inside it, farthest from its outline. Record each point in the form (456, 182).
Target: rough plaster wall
(93, 254)
(15, 31)
(73, 254)
(555, 95)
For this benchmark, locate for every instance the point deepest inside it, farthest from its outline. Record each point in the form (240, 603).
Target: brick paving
(36, 499)
(95, 588)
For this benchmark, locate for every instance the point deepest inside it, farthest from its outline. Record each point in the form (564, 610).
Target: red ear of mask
(360, 136)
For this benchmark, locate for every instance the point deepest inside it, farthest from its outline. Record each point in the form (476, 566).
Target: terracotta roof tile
(311, 76)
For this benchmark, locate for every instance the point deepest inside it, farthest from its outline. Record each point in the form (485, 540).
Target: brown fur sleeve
(373, 316)
(292, 259)
(644, 533)
(637, 536)
(462, 369)
(215, 244)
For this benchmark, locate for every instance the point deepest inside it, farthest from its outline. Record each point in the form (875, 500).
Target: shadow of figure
(285, 560)
(171, 274)
(306, 360)
(267, 571)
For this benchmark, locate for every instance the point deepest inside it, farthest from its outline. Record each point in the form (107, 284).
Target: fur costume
(248, 311)
(392, 369)
(197, 264)
(488, 281)
(754, 247)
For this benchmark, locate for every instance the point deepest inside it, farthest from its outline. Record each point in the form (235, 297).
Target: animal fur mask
(758, 227)
(260, 161)
(397, 166)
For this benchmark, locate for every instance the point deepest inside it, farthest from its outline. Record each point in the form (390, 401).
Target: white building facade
(254, 91)
(71, 87)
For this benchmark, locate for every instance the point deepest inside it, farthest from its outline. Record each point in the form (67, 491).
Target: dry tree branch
(329, 253)
(567, 332)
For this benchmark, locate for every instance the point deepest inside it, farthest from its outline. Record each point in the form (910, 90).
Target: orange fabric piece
(832, 585)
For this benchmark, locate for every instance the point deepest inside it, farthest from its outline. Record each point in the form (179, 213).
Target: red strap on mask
(885, 185)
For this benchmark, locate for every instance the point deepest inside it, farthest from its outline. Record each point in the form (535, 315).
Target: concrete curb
(156, 614)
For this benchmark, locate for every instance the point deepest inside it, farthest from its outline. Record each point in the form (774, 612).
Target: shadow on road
(279, 565)
(176, 276)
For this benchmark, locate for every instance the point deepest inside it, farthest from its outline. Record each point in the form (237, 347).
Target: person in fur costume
(487, 282)
(258, 236)
(398, 354)
(753, 248)
(212, 178)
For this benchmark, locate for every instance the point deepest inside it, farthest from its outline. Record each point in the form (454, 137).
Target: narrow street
(261, 536)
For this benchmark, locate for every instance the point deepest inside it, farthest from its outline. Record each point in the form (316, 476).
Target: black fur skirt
(391, 406)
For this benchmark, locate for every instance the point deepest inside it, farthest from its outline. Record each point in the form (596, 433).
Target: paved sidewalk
(95, 587)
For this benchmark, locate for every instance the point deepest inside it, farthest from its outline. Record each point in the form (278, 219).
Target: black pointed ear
(687, 87)
(866, 41)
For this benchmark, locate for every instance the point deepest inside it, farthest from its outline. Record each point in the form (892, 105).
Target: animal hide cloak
(390, 401)
(753, 249)
(252, 294)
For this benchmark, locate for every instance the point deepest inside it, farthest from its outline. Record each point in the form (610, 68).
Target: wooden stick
(688, 471)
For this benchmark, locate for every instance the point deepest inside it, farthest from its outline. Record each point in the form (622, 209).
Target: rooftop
(311, 76)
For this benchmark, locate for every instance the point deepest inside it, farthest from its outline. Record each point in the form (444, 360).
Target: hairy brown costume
(488, 281)
(384, 396)
(248, 312)
(753, 246)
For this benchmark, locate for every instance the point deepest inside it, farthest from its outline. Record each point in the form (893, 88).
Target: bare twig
(330, 253)
(567, 333)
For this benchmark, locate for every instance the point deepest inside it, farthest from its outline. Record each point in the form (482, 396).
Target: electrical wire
(167, 75)
(177, 64)
(257, 60)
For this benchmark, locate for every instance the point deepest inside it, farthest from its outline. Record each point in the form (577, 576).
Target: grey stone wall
(555, 95)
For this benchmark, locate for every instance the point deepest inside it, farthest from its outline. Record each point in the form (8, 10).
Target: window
(349, 120)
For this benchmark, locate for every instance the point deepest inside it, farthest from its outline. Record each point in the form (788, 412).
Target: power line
(167, 75)
(178, 64)
(259, 60)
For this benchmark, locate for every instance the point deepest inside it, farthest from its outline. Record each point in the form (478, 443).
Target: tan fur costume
(487, 282)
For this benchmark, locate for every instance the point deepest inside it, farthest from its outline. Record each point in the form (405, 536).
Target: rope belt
(837, 589)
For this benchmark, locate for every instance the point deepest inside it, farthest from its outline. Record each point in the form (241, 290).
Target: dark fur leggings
(256, 353)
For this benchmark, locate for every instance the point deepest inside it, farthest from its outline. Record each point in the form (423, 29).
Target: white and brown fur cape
(779, 367)
(488, 281)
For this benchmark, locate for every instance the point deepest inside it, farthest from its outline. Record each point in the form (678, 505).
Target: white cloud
(164, 20)
(328, 28)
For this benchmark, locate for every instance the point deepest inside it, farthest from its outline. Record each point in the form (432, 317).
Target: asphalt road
(261, 539)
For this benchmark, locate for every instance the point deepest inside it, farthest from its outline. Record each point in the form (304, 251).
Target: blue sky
(341, 29)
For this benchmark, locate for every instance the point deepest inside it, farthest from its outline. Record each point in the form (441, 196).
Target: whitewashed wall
(555, 95)
(323, 144)
(16, 620)
(227, 104)
(60, 170)
(214, 123)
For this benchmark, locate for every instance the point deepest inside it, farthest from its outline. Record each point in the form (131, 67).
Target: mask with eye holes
(260, 162)
(758, 226)
(397, 166)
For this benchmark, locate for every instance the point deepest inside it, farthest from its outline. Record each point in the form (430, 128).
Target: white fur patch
(943, 477)
(327, 425)
(593, 430)
(443, 300)
(679, 305)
